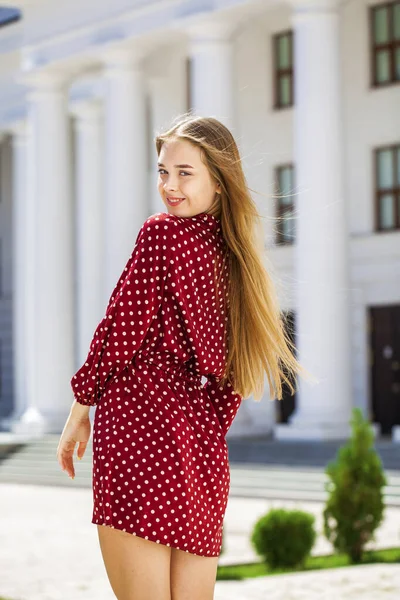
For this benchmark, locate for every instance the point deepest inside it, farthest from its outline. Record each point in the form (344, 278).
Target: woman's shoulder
(167, 224)
(199, 226)
(160, 218)
(159, 223)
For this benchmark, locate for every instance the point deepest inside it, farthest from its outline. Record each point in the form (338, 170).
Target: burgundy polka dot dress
(160, 457)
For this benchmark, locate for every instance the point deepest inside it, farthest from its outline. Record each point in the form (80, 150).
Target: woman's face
(182, 176)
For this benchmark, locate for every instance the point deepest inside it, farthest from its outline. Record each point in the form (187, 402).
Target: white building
(310, 89)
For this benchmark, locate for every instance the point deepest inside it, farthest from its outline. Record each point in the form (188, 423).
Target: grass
(332, 561)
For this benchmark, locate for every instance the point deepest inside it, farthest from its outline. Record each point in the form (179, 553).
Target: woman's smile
(174, 201)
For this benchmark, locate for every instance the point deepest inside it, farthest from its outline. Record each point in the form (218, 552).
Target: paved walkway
(375, 582)
(49, 551)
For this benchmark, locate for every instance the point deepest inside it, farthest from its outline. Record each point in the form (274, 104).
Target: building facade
(311, 91)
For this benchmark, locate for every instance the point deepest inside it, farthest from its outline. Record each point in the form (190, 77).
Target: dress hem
(151, 538)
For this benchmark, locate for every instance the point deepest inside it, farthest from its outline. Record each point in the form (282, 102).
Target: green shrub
(355, 505)
(284, 538)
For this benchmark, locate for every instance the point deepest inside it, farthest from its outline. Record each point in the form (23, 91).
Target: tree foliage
(355, 505)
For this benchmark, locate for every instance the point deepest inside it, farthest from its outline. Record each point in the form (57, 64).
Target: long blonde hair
(258, 341)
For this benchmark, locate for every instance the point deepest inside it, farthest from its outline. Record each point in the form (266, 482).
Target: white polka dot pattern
(160, 458)
(130, 311)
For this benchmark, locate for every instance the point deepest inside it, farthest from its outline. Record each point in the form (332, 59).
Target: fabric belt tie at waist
(180, 371)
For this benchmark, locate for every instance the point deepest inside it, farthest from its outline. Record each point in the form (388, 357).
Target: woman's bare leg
(192, 577)
(137, 569)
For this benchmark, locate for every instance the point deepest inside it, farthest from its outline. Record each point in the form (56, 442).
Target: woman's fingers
(75, 432)
(66, 453)
(81, 450)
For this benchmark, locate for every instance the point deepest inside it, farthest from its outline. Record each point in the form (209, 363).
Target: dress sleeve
(225, 400)
(133, 305)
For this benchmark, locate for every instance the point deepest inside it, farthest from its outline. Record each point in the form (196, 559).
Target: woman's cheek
(188, 188)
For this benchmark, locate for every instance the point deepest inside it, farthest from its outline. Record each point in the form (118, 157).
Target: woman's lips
(174, 201)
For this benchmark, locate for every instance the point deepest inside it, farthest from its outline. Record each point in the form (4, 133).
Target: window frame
(278, 73)
(395, 190)
(280, 209)
(392, 45)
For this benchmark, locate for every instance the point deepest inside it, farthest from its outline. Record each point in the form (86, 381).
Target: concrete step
(294, 484)
(61, 480)
(50, 468)
(45, 452)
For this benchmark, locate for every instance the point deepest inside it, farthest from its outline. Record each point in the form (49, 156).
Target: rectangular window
(283, 69)
(385, 43)
(387, 187)
(284, 177)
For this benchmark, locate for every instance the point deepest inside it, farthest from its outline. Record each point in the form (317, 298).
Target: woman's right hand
(76, 431)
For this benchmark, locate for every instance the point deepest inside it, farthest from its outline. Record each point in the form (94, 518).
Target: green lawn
(390, 555)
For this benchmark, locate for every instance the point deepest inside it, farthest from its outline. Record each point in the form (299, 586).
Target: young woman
(193, 301)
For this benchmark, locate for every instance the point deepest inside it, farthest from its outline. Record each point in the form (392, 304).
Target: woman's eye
(162, 171)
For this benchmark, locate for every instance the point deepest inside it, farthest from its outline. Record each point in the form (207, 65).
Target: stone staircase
(294, 483)
(36, 462)
(260, 468)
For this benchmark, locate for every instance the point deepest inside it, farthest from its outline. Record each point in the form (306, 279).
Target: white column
(126, 202)
(212, 88)
(89, 221)
(321, 251)
(49, 251)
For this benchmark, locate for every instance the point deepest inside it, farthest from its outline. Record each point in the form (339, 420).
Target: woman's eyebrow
(178, 166)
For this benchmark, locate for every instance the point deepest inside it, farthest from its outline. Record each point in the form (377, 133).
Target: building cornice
(157, 20)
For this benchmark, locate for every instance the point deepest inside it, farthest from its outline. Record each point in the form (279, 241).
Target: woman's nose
(170, 185)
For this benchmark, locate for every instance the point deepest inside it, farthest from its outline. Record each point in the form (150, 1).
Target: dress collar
(203, 219)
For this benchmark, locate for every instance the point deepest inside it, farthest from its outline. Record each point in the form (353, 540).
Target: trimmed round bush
(284, 538)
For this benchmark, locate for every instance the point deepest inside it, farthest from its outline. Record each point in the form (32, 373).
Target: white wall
(371, 116)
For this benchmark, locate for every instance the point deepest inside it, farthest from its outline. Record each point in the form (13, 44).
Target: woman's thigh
(192, 577)
(137, 569)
